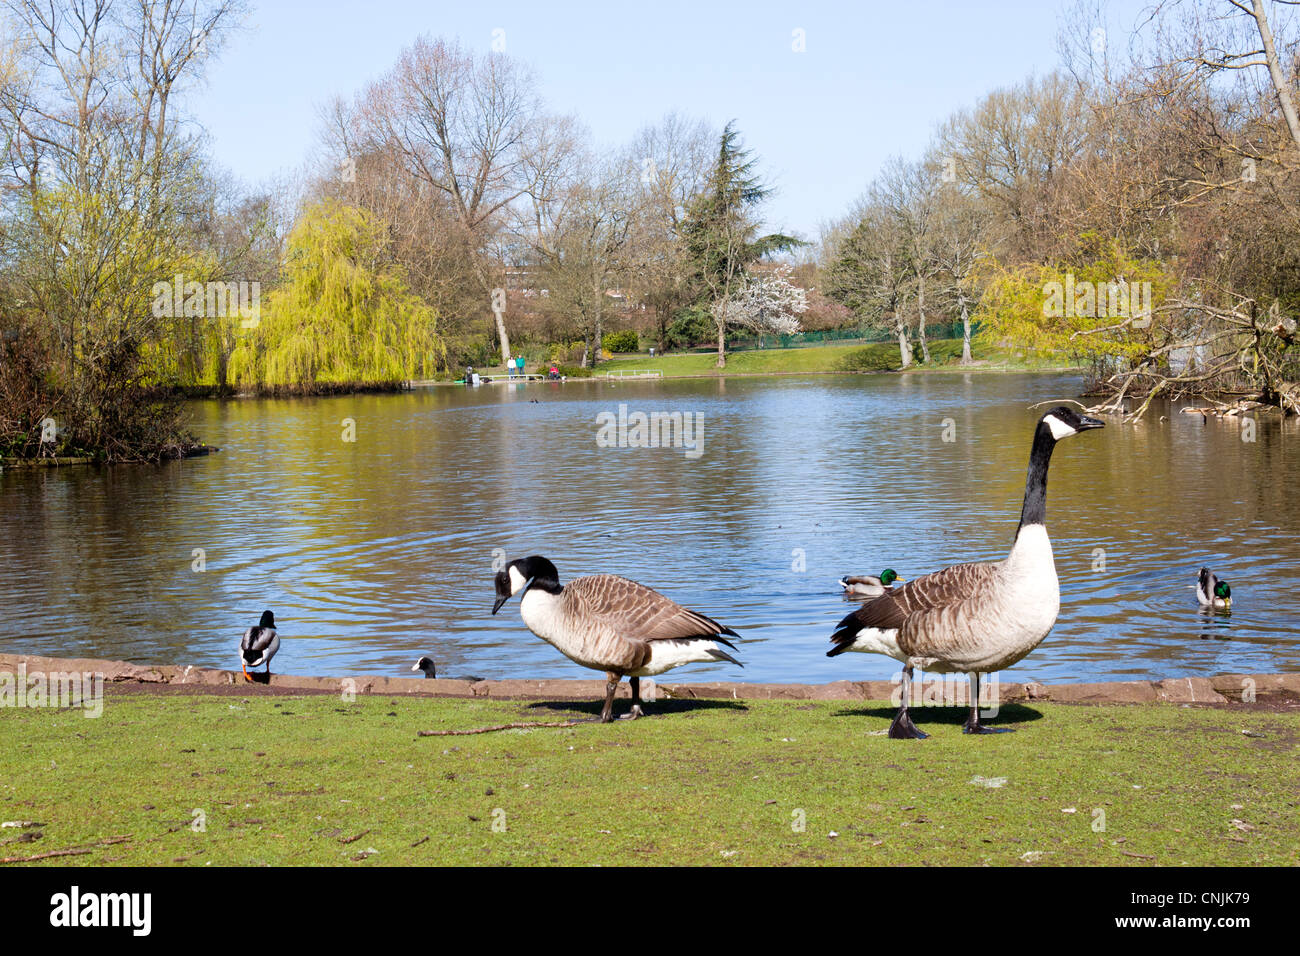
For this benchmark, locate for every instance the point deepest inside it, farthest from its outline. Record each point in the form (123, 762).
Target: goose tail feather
(718, 654)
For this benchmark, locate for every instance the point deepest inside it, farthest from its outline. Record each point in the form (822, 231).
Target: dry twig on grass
(521, 725)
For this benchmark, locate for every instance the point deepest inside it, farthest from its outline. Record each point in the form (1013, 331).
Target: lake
(375, 551)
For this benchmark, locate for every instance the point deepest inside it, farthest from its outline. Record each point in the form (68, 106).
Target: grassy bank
(823, 359)
(315, 780)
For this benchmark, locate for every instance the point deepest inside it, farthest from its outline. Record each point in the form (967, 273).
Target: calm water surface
(374, 552)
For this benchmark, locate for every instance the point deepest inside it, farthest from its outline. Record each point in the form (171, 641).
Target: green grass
(286, 780)
(876, 357)
(945, 355)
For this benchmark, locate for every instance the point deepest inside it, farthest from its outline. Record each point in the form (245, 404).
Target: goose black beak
(503, 596)
(502, 582)
(1085, 423)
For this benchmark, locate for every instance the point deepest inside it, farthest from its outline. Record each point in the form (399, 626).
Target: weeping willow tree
(342, 314)
(1102, 304)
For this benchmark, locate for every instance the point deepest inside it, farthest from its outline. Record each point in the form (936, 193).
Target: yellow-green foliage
(342, 312)
(1096, 304)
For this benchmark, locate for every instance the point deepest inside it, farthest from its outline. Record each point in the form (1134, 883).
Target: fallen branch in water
(522, 725)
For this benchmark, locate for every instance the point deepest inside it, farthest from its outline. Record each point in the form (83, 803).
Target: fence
(634, 373)
(851, 336)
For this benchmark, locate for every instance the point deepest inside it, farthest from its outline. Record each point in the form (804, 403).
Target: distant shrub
(878, 357)
(691, 327)
(624, 341)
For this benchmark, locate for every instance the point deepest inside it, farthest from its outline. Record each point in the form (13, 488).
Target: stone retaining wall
(1220, 688)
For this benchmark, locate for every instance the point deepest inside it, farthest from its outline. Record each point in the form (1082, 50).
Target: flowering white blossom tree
(766, 303)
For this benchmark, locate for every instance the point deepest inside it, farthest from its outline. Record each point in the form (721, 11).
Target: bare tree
(471, 129)
(580, 239)
(669, 164)
(870, 270)
(962, 231)
(911, 193)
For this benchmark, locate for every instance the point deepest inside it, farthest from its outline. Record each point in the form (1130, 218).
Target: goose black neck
(1034, 510)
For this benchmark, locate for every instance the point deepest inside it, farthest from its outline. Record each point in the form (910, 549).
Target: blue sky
(874, 80)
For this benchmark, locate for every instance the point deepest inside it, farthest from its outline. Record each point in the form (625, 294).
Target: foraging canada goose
(611, 624)
(1212, 591)
(866, 585)
(426, 665)
(259, 645)
(973, 618)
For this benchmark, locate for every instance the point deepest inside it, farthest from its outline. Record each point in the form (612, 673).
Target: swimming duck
(866, 585)
(1212, 591)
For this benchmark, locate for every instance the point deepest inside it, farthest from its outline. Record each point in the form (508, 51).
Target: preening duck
(1212, 591)
(611, 624)
(973, 618)
(259, 645)
(866, 585)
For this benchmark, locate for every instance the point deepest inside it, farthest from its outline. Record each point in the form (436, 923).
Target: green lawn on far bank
(875, 357)
(945, 355)
(316, 780)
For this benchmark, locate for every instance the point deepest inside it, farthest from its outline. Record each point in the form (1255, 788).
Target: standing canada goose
(865, 585)
(611, 624)
(973, 618)
(259, 646)
(1212, 591)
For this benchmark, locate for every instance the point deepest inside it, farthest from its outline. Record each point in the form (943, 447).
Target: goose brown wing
(891, 610)
(641, 614)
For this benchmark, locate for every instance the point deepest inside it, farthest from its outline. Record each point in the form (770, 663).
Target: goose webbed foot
(611, 685)
(903, 729)
(633, 714)
(973, 726)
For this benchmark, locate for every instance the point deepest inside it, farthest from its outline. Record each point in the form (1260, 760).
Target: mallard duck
(973, 618)
(866, 585)
(1212, 591)
(611, 624)
(259, 645)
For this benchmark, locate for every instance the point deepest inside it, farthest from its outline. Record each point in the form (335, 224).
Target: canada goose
(1212, 591)
(611, 624)
(430, 670)
(259, 645)
(973, 618)
(866, 585)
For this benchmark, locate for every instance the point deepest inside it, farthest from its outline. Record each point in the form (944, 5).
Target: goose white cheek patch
(1059, 428)
(517, 580)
